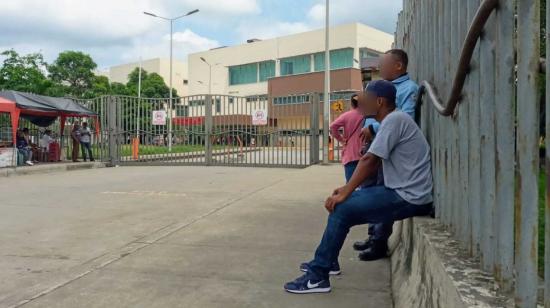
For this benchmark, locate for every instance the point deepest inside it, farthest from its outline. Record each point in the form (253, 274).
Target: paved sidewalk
(173, 237)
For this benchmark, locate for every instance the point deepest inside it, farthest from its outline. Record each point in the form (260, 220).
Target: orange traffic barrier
(330, 151)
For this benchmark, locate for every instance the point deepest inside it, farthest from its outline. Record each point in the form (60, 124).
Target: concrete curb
(49, 168)
(429, 269)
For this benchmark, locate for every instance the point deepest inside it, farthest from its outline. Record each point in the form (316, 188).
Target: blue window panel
(341, 58)
(296, 65)
(243, 74)
(267, 70)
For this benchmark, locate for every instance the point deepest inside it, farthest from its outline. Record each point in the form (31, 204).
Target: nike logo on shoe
(313, 285)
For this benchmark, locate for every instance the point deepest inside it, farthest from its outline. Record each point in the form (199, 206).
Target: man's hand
(366, 135)
(338, 196)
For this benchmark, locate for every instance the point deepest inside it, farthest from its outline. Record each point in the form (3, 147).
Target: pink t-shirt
(351, 122)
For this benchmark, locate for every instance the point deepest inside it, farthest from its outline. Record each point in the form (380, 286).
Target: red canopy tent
(19, 104)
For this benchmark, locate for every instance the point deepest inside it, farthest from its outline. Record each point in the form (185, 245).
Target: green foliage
(74, 69)
(23, 73)
(152, 85)
(72, 74)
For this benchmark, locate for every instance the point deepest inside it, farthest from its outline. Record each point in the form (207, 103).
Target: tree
(118, 88)
(23, 73)
(100, 87)
(152, 85)
(75, 70)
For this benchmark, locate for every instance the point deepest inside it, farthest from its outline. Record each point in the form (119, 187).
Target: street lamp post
(326, 97)
(171, 20)
(210, 74)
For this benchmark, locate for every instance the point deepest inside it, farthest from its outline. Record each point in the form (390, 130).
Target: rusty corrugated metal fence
(483, 127)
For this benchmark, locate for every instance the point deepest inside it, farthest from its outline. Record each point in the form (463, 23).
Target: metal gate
(212, 130)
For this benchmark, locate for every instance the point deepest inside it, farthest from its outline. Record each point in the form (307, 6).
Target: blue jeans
(349, 168)
(375, 204)
(86, 147)
(26, 152)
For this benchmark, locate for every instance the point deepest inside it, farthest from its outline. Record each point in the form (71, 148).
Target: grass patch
(126, 149)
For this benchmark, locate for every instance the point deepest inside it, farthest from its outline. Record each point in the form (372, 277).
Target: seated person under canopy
(404, 153)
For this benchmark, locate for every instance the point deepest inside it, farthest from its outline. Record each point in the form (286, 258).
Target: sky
(116, 31)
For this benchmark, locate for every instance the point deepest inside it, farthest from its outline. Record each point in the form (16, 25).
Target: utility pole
(326, 96)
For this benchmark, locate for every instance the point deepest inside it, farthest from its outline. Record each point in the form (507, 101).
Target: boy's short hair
(400, 55)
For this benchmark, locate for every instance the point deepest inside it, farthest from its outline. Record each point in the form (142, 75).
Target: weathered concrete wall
(430, 270)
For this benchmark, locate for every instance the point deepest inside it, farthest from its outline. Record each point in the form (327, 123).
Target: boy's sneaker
(28, 162)
(308, 283)
(334, 269)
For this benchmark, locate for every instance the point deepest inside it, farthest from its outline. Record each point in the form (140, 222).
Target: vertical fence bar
(547, 165)
(452, 124)
(445, 38)
(208, 130)
(463, 118)
(487, 125)
(528, 36)
(111, 120)
(505, 159)
(474, 172)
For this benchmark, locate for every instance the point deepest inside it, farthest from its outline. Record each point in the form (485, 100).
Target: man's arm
(335, 128)
(367, 167)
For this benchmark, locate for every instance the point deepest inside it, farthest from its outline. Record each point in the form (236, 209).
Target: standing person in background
(46, 140)
(393, 67)
(351, 122)
(75, 136)
(85, 140)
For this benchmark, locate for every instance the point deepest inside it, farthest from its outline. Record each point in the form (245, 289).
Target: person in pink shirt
(351, 123)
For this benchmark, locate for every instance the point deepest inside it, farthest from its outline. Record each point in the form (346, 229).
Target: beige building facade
(245, 70)
(160, 66)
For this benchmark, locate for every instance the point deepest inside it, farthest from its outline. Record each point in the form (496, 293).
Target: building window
(267, 70)
(341, 58)
(182, 111)
(291, 100)
(196, 103)
(364, 53)
(256, 98)
(218, 103)
(243, 74)
(296, 65)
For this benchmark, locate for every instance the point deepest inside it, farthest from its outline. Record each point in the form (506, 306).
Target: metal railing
(210, 130)
(485, 139)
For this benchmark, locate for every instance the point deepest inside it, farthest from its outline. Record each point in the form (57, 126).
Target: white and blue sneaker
(334, 269)
(309, 283)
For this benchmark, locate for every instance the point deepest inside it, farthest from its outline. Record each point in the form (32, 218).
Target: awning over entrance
(40, 110)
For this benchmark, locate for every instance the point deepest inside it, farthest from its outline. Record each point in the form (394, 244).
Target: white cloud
(116, 31)
(185, 42)
(110, 30)
(375, 13)
(232, 7)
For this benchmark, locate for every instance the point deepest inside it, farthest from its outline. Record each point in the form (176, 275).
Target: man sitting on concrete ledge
(404, 153)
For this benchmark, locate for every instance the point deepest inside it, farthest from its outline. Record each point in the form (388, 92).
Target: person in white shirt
(85, 141)
(46, 140)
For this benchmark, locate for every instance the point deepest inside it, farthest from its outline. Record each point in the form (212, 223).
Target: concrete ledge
(430, 270)
(49, 168)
